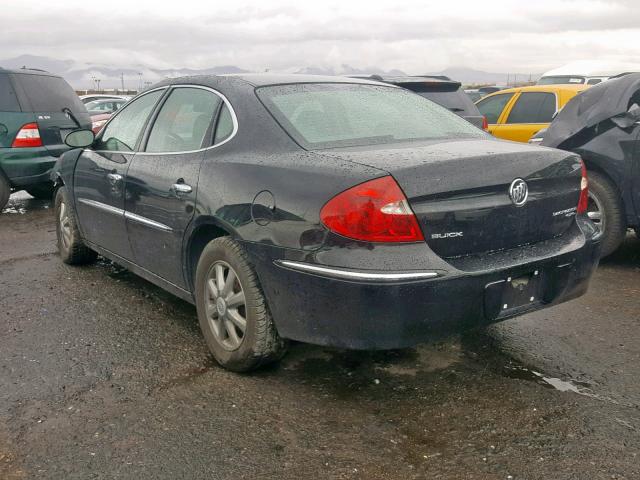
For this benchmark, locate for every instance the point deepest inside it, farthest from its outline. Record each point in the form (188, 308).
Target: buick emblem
(519, 191)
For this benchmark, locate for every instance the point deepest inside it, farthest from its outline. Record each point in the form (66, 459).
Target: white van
(587, 72)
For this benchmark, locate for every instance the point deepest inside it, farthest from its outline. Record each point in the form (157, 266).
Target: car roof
(264, 79)
(542, 88)
(100, 96)
(28, 71)
(107, 99)
(592, 68)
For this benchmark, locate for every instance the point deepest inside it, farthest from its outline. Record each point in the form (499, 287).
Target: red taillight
(485, 124)
(374, 211)
(583, 202)
(28, 136)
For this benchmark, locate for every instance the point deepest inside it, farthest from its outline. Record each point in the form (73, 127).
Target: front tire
(606, 211)
(72, 249)
(5, 191)
(232, 310)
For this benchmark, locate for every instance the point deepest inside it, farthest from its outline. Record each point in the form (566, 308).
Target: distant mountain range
(85, 75)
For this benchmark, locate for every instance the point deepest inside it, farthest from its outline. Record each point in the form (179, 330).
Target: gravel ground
(103, 375)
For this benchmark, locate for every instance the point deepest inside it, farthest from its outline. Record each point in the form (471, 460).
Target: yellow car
(519, 113)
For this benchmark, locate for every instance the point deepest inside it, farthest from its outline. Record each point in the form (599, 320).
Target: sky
(412, 36)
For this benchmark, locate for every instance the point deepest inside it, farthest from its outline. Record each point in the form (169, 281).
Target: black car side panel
(615, 152)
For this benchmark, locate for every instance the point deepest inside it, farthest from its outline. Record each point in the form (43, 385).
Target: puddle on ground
(513, 370)
(14, 210)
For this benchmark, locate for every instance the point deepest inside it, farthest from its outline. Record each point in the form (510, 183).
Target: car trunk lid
(459, 191)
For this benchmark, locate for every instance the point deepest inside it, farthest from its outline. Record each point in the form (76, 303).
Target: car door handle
(114, 177)
(181, 188)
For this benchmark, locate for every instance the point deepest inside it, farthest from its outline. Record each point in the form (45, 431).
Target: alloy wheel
(65, 225)
(595, 212)
(225, 305)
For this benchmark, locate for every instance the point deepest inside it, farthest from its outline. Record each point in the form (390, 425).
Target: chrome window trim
(148, 222)
(224, 99)
(357, 274)
(101, 206)
(115, 115)
(128, 215)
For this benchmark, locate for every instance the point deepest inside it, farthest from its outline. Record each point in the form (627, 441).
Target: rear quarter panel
(262, 187)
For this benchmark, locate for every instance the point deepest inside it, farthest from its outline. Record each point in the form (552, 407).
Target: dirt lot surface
(103, 375)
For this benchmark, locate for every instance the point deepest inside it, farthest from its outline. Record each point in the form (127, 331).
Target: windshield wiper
(70, 114)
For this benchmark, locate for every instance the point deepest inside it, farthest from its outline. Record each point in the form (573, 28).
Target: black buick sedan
(333, 211)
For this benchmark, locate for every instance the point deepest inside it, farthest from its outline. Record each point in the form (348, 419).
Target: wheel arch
(595, 166)
(202, 231)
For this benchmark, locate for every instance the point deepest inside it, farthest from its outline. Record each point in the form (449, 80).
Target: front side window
(121, 134)
(492, 107)
(533, 107)
(183, 120)
(326, 115)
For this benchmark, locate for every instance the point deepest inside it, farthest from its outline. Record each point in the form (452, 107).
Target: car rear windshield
(458, 101)
(8, 99)
(47, 93)
(335, 115)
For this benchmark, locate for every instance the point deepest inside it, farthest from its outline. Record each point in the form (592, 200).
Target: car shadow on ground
(627, 256)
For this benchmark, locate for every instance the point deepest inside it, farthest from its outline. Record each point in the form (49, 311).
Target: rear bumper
(26, 166)
(342, 307)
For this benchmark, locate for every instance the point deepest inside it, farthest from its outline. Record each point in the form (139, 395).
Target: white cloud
(414, 36)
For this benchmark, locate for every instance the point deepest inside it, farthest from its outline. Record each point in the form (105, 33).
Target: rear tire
(72, 249)
(240, 333)
(42, 191)
(605, 208)
(5, 191)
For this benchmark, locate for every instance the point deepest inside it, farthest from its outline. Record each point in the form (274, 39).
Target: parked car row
(362, 192)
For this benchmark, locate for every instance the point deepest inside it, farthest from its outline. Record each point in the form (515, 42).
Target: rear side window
(492, 107)
(224, 129)
(533, 107)
(8, 99)
(594, 81)
(49, 94)
(183, 120)
(121, 134)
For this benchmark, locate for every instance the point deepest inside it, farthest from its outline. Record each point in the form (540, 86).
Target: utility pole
(122, 80)
(98, 83)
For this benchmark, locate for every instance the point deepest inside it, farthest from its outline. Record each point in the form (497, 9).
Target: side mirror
(80, 138)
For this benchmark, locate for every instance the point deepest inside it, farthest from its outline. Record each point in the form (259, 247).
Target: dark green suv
(37, 111)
